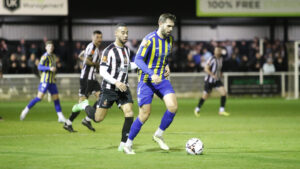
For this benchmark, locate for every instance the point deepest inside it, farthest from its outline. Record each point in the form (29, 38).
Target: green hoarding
(248, 8)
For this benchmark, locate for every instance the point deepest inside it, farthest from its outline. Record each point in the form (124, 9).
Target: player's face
(122, 34)
(167, 27)
(97, 39)
(49, 48)
(218, 52)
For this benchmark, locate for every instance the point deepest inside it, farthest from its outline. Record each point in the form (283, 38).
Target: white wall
(81, 32)
(279, 34)
(294, 32)
(206, 33)
(189, 33)
(29, 32)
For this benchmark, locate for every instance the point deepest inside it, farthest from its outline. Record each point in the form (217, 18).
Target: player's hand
(121, 86)
(156, 78)
(215, 77)
(53, 69)
(167, 71)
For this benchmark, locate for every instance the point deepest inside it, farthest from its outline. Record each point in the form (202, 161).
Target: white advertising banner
(33, 7)
(248, 8)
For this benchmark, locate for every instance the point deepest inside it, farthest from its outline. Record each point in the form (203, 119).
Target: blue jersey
(47, 61)
(154, 51)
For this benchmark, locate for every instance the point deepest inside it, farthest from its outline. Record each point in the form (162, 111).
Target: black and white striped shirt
(117, 61)
(91, 52)
(215, 65)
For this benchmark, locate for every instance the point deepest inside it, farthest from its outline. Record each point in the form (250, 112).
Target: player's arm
(139, 58)
(89, 57)
(81, 55)
(43, 67)
(88, 61)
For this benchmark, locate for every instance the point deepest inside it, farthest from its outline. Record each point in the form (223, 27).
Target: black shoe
(69, 128)
(88, 124)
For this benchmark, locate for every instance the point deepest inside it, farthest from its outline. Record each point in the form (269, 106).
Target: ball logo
(11, 4)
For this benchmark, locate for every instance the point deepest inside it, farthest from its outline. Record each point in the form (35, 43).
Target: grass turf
(261, 133)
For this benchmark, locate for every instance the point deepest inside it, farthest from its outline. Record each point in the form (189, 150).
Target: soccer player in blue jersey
(152, 60)
(47, 83)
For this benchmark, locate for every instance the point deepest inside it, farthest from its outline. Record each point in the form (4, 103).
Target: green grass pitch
(261, 133)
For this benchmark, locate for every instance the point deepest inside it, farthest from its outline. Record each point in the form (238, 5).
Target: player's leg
(168, 94)
(54, 93)
(222, 91)
(106, 100)
(41, 92)
(207, 90)
(128, 114)
(75, 110)
(144, 102)
(94, 87)
(68, 124)
(144, 113)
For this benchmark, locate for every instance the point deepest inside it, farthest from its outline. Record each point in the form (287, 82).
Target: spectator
(33, 49)
(269, 67)
(244, 64)
(61, 51)
(243, 48)
(19, 53)
(229, 48)
(59, 65)
(31, 63)
(256, 63)
(231, 65)
(23, 47)
(23, 65)
(206, 54)
(13, 65)
(191, 66)
(279, 64)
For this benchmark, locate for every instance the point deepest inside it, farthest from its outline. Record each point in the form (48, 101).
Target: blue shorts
(51, 87)
(145, 91)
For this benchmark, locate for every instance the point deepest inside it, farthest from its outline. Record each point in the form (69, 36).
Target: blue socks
(135, 128)
(33, 102)
(166, 120)
(57, 105)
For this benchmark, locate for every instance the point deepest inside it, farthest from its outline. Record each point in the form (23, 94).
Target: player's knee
(129, 114)
(173, 108)
(99, 119)
(143, 116)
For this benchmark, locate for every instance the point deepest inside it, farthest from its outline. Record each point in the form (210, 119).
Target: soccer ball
(194, 146)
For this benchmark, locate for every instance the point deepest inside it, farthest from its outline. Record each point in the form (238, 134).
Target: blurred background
(259, 37)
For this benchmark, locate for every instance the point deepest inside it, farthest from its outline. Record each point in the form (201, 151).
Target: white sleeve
(106, 76)
(132, 66)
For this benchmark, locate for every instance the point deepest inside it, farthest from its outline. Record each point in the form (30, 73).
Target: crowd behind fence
(22, 57)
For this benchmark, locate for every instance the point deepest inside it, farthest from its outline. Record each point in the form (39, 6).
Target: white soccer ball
(194, 146)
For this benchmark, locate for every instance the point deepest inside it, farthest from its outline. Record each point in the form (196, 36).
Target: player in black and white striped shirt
(88, 82)
(114, 68)
(212, 80)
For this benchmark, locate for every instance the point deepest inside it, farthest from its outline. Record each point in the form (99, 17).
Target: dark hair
(121, 25)
(49, 43)
(163, 17)
(97, 32)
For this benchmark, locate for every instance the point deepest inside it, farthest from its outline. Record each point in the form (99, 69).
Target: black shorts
(209, 86)
(87, 87)
(108, 97)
